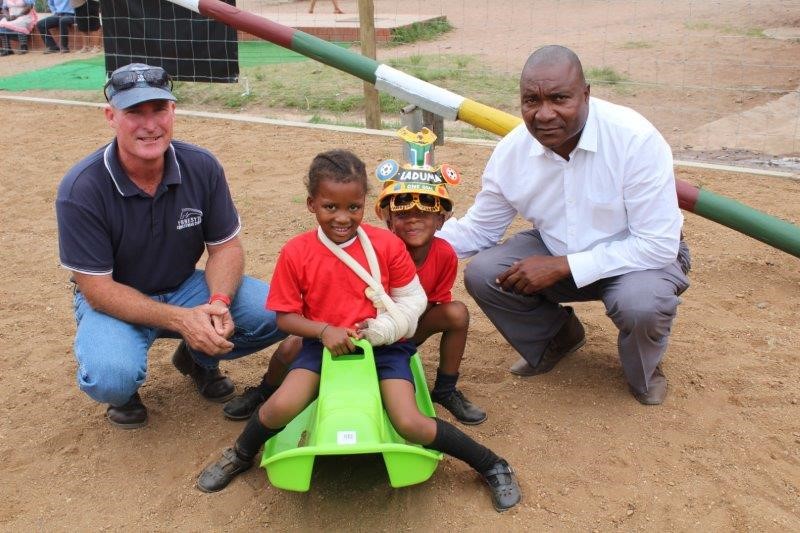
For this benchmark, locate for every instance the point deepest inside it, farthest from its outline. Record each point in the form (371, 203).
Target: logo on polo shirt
(190, 217)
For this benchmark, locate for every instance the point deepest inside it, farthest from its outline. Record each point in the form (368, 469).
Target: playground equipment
(730, 213)
(348, 418)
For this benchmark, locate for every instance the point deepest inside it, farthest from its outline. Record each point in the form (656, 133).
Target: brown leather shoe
(211, 383)
(569, 339)
(132, 415)
(656, 391)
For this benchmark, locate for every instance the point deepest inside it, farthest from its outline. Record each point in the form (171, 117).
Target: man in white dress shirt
(596, 181)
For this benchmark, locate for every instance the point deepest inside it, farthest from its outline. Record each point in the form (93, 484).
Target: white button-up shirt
(611, 209)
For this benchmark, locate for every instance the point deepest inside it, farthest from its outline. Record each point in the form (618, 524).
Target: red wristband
(219, 297)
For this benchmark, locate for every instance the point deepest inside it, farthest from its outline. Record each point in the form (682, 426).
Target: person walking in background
(19, 19)
(336, 9)
(62, 16)
(87, 16)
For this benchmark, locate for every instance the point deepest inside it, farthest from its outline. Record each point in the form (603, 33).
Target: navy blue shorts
(392, 360)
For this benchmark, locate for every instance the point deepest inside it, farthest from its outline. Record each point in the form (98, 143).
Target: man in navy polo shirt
(133, 220)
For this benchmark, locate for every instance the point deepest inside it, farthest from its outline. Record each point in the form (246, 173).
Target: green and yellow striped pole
(730, 213)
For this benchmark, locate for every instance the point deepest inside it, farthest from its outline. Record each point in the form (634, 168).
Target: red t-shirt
(438, 273)
(309, 280)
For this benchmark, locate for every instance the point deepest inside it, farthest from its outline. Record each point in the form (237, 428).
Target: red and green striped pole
(753, 223)
(451, 106)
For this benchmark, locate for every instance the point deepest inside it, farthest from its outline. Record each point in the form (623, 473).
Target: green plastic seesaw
(348, 418)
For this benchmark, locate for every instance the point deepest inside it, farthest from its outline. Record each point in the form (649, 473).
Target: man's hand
(221, 319)
(532, 274)
(206, 327)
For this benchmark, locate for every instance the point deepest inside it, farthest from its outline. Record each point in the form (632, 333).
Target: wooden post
(366, 31)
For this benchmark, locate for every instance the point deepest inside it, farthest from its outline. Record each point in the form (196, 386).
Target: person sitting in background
(87, 17)
(62, 16)
(19, 18)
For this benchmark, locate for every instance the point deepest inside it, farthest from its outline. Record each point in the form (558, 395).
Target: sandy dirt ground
(722, 453)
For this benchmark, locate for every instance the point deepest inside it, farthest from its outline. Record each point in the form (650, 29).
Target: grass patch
(306, 89)
(746, 32)
(420, 31)
(725, 29)
(309, 86)
(604, 75)
(636, 45)
(434, 68)
(385, 124)
(697, 25)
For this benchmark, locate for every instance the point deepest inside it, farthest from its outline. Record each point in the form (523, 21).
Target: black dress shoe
(656, 389)
(243, 406)
(460, 407)
(503, 483)
(211, 383)
(569, 339)
(217, 476)
(132, 415)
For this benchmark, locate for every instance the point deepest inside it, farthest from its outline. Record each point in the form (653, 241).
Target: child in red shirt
(318, 296)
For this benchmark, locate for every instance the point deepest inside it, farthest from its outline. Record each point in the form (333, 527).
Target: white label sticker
(346, 437)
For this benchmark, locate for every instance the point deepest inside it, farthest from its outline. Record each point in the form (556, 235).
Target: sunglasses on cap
(122, 81)
(424, 202)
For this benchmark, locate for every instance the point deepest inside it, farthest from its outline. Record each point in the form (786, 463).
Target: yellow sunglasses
(409, 200)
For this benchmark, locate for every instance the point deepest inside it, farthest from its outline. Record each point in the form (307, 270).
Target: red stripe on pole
(248, 22)
(687, 195)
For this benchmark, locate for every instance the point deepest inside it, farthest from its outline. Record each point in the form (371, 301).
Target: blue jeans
(112, 354)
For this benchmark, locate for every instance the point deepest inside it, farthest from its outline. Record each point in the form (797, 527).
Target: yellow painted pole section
(487, 118)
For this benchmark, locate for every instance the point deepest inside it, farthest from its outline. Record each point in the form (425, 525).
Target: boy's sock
(254, 436)
(444, 385)
(453, 441)
(265, 388)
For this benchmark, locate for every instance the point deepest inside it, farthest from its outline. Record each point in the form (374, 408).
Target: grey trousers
(641, 304)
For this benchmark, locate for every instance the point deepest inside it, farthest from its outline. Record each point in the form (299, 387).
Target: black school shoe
(211, 383)
(243, 406)
(460, 407)
(132, 415)
(218, 475)
(502, 482)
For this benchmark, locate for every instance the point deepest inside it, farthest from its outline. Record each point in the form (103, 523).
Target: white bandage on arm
(400, 320)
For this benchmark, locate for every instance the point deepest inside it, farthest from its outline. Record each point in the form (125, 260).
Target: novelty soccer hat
(416, 183)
